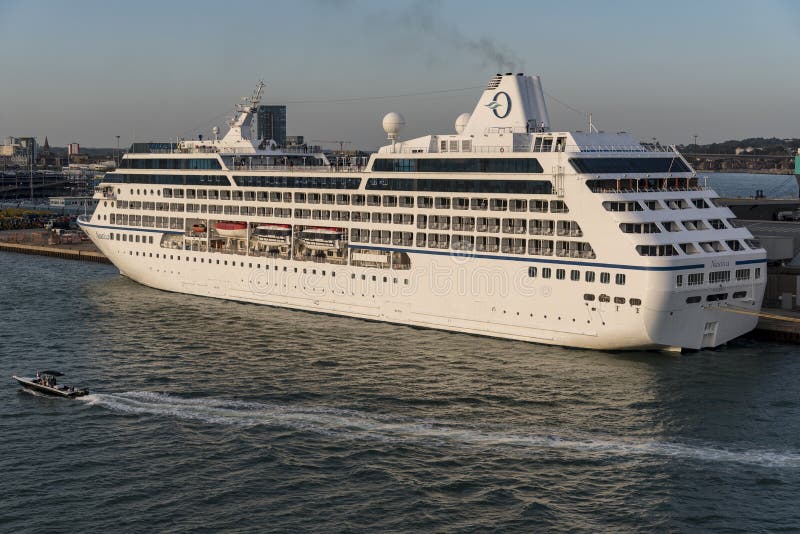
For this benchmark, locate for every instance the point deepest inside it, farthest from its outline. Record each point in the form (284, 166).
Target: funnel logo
(500, 101)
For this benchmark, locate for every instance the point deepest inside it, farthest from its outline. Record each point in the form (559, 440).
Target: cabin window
(442, 203)
(498, 204)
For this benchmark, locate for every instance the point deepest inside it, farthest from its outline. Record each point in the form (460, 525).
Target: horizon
(715, 69)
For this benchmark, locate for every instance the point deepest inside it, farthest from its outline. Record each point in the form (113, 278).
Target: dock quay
(57, 251)
(43, 243)
(777, 325)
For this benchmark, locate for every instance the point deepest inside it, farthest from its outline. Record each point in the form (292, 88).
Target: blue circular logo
(497, 105)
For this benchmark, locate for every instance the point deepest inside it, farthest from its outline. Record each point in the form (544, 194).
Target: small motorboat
(45, 382)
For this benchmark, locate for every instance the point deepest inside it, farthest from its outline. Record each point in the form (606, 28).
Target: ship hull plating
(461, 294)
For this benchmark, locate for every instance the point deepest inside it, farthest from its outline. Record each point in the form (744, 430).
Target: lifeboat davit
(277, 234)
(231, 228)
(322, 239)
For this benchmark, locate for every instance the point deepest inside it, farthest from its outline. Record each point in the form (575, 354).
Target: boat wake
(352, 424)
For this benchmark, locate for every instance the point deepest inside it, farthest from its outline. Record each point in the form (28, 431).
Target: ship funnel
(513, 103)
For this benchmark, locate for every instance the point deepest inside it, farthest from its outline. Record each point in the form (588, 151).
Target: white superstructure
(503, 228)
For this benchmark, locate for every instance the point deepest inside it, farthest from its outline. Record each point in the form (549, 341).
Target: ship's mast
(240, 124)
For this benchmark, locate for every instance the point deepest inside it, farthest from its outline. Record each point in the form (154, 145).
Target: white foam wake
(353, 424)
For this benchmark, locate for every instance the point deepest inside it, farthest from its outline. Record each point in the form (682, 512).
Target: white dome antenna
(392, 124)
(461, 122)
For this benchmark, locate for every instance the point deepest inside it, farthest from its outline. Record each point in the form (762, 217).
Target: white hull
(469, 295)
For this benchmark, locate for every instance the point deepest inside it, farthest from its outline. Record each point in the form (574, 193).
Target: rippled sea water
(220, 415)
(215, 415)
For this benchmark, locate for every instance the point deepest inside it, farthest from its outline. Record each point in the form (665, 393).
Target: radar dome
(461, 122)
(393, 123)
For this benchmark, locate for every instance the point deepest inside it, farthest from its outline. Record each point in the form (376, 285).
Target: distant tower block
(461, 122)
(392, 124)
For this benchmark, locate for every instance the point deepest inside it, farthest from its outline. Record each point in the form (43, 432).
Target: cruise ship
(503, 227)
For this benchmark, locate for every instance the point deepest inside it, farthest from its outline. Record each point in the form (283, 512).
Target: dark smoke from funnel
(425, 19)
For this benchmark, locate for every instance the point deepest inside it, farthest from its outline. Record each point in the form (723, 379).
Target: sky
(87, 71)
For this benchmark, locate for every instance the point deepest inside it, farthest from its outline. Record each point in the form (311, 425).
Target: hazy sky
(86, 71)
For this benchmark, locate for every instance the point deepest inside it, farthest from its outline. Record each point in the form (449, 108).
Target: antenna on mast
(256, 98)
(591, 124)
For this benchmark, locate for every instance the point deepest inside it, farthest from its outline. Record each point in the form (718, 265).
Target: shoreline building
(19, 150)
(271, 124)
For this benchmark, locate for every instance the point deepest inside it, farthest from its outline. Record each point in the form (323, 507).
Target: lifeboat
(199, 229)
(274, 234)
(322, 239)
(231, 228)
